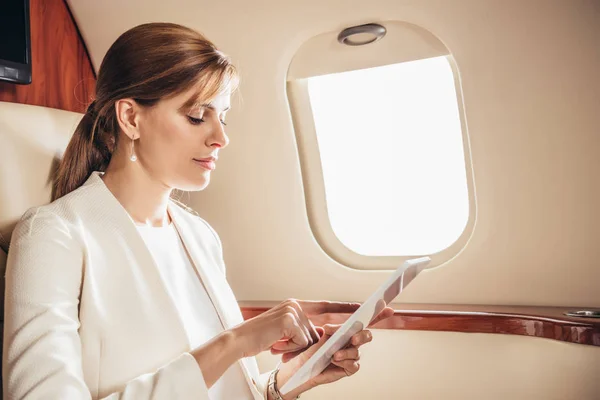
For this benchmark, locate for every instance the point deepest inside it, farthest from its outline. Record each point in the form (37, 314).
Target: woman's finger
(320, 331)
(293, 309)
(331, 374)
(297, 335)
(330, 329)
(384, 314)
(284, 346)
(292, 354)
(351, 353)
(350, 366)
(304, 321)
(312, 329)
(361, 338)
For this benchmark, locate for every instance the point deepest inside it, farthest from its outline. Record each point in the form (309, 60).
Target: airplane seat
(32, 140)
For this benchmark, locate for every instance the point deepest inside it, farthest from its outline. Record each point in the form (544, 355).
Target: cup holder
(584, 313)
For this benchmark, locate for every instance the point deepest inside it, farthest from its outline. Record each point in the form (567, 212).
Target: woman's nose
(219, 137)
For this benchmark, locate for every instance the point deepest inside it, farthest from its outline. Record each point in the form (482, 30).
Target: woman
(114, 290)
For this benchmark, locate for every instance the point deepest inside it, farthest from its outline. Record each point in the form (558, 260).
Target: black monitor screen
(13, 31)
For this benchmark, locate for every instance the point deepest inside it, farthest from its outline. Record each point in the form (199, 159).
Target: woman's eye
(198, 121)
(195, 121)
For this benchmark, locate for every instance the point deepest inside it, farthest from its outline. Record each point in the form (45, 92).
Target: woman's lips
(206, 164)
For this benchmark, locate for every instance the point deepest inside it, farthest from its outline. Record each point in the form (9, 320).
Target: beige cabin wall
(529, 72)
(414, 365)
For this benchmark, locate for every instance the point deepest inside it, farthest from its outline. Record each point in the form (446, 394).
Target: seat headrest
(32, 140)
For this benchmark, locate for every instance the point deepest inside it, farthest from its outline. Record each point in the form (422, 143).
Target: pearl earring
(133, 156)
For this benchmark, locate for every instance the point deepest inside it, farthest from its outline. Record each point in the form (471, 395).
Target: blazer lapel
(205, 267)
(215, 284)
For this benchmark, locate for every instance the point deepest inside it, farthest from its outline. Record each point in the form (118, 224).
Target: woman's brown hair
(147, 63)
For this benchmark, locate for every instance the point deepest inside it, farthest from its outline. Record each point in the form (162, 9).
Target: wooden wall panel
(543, 322)
(62, 74)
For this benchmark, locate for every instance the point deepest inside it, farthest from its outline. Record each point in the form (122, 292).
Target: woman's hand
(345, 362)
(285, 328)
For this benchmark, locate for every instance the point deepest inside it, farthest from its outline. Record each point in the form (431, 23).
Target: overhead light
(361, 34)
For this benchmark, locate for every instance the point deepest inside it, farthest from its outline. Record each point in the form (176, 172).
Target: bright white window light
(391, 147)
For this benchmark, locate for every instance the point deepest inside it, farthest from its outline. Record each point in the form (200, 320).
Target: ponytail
(89, 150)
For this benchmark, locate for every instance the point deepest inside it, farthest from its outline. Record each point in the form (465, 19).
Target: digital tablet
(359, 320)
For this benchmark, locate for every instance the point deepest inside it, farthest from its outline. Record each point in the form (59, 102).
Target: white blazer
(87, 315)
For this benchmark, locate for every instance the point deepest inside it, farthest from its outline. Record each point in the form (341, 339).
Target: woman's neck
(144, 198)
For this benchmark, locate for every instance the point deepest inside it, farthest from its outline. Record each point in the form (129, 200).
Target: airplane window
(391, 146)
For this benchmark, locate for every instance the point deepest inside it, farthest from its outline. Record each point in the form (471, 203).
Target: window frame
(314, 185)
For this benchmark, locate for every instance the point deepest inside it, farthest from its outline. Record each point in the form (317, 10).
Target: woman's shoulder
(59, 210)
(41, 224)
(57, 218)
(51, 213)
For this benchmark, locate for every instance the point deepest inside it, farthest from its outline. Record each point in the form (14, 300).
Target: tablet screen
(361, 318)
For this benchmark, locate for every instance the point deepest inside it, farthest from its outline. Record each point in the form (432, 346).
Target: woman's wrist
(217, 355)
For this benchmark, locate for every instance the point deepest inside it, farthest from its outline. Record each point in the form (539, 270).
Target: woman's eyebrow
(191, 105)
(210, 106)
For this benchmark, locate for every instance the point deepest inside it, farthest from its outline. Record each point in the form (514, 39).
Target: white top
(195, 308)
